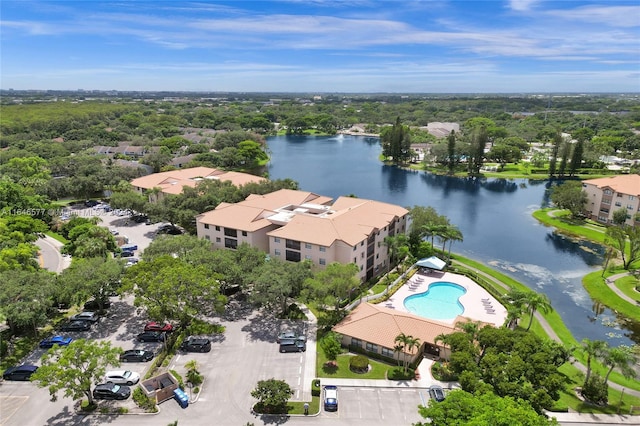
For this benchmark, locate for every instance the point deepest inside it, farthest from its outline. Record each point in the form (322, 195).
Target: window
(230, 232)
(292, 244)
(307, 257)
(276, 240)
(356, 342)
(354, 248)
(361, 243)
(206, 237)
(230, 243)
(308, 246)
(218, 239)
(244, 233)
(607, 192)
(632, 197)
(362, 255)
(371, 347)
(387, 352)
(618, 203)
(292, 256)
(323, 248)
(206, 226)
(630, 206)
(355, 260)
(322, 261)
(217, 228)
(277, 252)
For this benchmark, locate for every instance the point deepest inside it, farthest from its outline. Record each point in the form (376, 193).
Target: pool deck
(478, 304)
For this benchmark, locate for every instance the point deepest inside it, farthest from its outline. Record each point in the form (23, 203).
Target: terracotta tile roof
(624, 184)
(244, 218)
(381, 326)
(173, 181)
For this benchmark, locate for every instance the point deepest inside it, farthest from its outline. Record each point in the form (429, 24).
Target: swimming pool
(439, 302)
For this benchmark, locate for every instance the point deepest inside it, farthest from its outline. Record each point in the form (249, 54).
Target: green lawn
(600, 291)
(627, 285)
(560, 219)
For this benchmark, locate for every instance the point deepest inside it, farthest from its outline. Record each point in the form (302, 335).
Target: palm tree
(470, 328)
(454, 235)
(398, 349)
(409, 342)
(514, 313)
(537, 302)
(621, 357)
(593, 349)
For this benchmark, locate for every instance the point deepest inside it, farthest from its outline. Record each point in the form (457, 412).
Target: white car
(122, 377)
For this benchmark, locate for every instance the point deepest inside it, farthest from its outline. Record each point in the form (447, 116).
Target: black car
(76, 326)
(136, 355)
(111, 391)
(20, 372)
(151, 336)
(168, 229)
(196, 344)
(92, 305)
(436, 392)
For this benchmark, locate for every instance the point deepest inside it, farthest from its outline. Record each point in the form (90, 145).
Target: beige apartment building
(606, 195)
(297, 225)
(158, 184)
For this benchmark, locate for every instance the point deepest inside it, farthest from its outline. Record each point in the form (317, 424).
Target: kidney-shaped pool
(441, 301)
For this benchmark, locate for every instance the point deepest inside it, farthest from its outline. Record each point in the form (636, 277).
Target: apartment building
(158, 184)
(297, 225)
(606, 195)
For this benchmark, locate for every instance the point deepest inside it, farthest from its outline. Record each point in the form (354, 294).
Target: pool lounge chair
(490, 311)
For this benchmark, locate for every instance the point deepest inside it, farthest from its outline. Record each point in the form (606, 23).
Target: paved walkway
(611, 283)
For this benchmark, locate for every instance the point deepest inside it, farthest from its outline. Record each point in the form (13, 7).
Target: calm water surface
(494, 216)
(441, 301)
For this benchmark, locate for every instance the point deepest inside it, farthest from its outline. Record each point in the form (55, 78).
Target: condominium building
(158, 184)
(606, 195)
(297, 225)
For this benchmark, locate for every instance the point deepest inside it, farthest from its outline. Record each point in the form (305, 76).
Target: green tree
(396, 142)
(594, 349)
(479, 139)
(626, 240)
(482, 409)
(334, 284)
(25, 298)
(406, 343)
(620, 216)
(75, 368)
(452, 159)
(172, 289)
(272, 396)
(555, 150)
(128, 200)
(621, 357)
(95, 278)
(503, 154)
(331, 345)
(569, 195)
(576, 157)
(536, 302)
(273, 283)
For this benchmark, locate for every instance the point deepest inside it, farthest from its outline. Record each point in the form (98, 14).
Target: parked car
(196, 344)
(127, 253)
(168, 229)
(86, 316)
(331, 398)
(111, 390)
(122, 377)
(92, 305)
(156, 326)
(21, 372)
(129, 247)
(436, 392)
(151, 336)
(290, 335)
(292, 345)
(76, 326)
(91, 203)
(136, 355)
(55, 340)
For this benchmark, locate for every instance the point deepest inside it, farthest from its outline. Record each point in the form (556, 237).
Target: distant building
(606, 195)
(173, 181)
(297, 225)
(124, 148)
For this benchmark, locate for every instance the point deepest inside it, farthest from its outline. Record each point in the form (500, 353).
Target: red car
(156, 326)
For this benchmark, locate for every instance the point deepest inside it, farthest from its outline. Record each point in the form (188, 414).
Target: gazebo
(432, 262)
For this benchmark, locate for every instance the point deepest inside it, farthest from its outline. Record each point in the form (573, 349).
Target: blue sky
(361, 46)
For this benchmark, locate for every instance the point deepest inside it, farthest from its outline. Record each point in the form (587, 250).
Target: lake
(494, 216)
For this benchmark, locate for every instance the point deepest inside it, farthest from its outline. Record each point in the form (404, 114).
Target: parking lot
(246, 353)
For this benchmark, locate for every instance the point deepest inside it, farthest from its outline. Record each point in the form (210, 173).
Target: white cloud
(522, 5)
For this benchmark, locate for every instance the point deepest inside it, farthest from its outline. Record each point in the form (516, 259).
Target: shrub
(441, 372)
(143, 401)
(596, 390)
(123, 410)
(178, 378)
(359, 364)
(315, 387)
(194, 377)
(196, 390)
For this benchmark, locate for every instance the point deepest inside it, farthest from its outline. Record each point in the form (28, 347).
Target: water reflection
(494, 215)
(590, 252)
